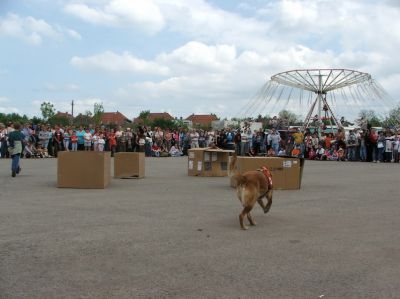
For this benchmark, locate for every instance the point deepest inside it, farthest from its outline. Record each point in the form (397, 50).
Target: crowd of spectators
(42, 141)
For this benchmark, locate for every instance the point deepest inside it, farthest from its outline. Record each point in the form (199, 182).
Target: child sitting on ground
(174, 152)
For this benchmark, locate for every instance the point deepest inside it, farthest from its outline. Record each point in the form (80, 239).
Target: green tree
(370, 117)
(393, 117)
(98, 111)
(36, 120)
(164, 124)
(82, 120)
(144, 117)
(13, 117)
(48, 110)
(59, 120)
(288, 118)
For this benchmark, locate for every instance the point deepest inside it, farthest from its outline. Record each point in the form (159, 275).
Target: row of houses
(193, 120)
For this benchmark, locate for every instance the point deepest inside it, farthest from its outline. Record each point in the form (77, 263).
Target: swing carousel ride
(320, 94)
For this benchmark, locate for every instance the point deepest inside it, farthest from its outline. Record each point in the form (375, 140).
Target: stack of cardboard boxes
(208, 162)
(92, 170)
(286, 172)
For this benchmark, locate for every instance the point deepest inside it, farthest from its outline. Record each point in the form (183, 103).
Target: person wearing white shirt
(87, 137)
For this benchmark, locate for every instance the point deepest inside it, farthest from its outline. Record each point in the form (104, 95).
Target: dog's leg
(250, 219)
(245, 211)
(261, 203)
(269, 198)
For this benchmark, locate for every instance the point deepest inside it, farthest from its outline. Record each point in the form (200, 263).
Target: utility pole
(72, 104)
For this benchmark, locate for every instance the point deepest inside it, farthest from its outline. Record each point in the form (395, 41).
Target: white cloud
(7, 110)
(131, 13)
(60, 88)
(32, 30)
(73, 34)
(112, 62)
(4, 100)
(195, 57)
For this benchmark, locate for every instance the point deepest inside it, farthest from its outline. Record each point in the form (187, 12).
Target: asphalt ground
(174, 236)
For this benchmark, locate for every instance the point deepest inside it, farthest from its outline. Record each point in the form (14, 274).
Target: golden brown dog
(251, 187)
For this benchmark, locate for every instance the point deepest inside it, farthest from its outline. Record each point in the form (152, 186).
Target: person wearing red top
(328, 141)
(112, 142)
(74, 142)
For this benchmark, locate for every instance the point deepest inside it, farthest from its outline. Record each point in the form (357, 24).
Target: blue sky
(180, 56)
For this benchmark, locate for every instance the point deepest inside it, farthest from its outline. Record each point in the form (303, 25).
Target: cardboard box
(208, 162)
(83, 169)
(129, 165)
(286, 172)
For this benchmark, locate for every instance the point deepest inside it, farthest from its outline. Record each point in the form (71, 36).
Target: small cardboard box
(208, 162)
(129, 165)
(83, 169)
(286, 172)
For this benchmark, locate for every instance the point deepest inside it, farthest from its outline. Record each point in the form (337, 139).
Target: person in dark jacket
(15, 147)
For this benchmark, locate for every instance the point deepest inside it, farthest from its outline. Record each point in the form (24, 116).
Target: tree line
(287, 118)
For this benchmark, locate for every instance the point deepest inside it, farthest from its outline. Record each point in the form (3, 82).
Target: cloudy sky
(183, 56)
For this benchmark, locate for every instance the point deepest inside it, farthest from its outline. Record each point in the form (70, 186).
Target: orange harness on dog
(268, 175)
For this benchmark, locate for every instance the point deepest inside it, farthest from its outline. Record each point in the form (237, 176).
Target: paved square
(170, 235)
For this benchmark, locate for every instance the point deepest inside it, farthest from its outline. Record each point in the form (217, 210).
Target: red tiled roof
(202, 119)
(114, 118)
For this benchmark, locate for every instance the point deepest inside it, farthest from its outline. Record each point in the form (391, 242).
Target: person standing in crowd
(229, 138)
(129, 136)
(238, 141)
(67, 139)
(194, 139)
(87, 137)
(74, 142)
(244, 145)
(175, 137)
(81, 141)
(202, 139)
(95, 140)
(351, 146)
(168, 139)
(43, 137)
(3, 141)
(158, 136)
(141, 136)
(15, 147)
(112, 142)
(363, 147)
(396, 147)
(101, 142)
(380, 146)
(298, 139)
(57, 141)
(274, 140)
(373, 140)
(388, 148)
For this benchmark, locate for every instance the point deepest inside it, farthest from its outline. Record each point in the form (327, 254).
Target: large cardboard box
(286, 172)
(129, 165)
(83, 169)
(208, 162)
